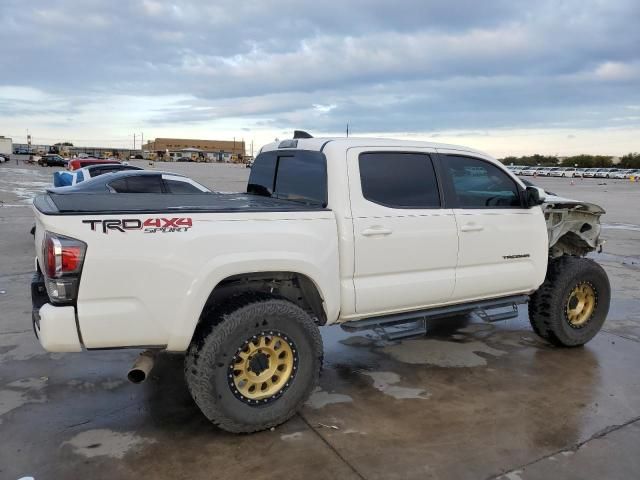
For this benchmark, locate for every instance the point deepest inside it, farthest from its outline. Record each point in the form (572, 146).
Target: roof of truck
(318, 144)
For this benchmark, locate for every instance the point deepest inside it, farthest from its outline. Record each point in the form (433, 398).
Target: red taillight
(63, 258)
(71, 258)
(50, 257)
(63, 255)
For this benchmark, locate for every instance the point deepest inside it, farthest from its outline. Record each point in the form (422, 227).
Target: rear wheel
(255, 364)
(572, 304)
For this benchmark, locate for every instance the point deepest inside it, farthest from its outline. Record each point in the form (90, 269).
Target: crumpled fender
(573, 226)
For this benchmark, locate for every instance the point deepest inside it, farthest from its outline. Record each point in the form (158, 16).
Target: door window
(399, 180)
(480, 184)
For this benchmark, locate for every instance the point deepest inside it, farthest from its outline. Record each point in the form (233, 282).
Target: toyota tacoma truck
(366, 233)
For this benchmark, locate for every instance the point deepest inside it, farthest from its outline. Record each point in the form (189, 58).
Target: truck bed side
(150, 268)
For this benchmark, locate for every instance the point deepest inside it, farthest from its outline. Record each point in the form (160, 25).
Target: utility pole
(134, 142)
(347, 129)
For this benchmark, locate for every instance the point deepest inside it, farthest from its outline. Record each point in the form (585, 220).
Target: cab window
(480, 184)
(399, 180)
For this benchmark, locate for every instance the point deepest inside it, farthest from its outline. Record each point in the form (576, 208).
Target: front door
(503, 244)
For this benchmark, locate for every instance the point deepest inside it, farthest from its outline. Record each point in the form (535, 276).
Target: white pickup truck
(367, 233)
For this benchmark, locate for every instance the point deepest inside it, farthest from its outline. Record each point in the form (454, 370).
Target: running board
(420, 317)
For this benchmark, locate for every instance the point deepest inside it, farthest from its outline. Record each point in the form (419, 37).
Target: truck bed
(109, 203)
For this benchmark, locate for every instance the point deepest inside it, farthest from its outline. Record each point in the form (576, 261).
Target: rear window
(299, 175)
(141, 184)
(175, 186)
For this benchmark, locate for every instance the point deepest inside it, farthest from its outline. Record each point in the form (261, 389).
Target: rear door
(503, 246)
(405, 242)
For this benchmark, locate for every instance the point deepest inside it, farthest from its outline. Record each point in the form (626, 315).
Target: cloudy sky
(506, 76)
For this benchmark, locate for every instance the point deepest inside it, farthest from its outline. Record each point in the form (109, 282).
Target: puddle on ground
(442, 353)
(385, 382)
(319, 398)
(621, 226)
(107, 443)
(633, 262)
(90, 386)
(15, 346)
(291, 436)
(22, 392)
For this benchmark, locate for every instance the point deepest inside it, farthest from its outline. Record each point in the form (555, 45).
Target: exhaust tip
(136, 376)
(141, 367)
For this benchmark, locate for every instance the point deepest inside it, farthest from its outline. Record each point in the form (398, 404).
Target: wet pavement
(469, 400)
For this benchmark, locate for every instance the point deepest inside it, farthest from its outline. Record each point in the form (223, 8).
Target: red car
(77, 163)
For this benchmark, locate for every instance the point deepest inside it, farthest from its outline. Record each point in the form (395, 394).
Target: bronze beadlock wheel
(571, 305)
(263, 368)
(581, 304)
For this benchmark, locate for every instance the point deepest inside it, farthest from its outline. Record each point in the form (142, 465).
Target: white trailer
(6, 145)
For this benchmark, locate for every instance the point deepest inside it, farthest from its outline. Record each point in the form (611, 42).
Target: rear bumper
(54, 326)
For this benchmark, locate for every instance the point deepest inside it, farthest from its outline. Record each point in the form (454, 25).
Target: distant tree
(588, 161)
(533, 160)
(630, 160)
(510, 160)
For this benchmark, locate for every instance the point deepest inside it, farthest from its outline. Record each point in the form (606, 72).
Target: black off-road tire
(548, 305)
(216, 342)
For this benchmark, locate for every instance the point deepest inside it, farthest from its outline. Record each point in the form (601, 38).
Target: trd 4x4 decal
(149, 225)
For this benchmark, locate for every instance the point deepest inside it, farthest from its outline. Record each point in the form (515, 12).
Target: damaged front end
(573, 226)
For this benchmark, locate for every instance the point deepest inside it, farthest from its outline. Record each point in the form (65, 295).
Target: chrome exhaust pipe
(141, 367)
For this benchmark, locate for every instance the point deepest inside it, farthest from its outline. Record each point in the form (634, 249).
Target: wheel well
(295, 287)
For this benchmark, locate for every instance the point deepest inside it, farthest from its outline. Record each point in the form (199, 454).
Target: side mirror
(535, 196)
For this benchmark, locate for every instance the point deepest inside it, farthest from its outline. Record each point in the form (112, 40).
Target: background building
(199, 150)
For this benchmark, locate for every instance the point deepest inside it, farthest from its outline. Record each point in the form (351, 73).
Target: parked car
(554, 172)
(589, 173)
(184, 159)
(4, 157)
(327, 232)
(529, 171)
(579, 172)
(77, 163)
(605, 172)
(67, 178)
(622, 174)
(52, 160)
(564, 172)
(134, 181)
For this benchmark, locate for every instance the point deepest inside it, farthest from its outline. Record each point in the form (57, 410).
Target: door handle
(471, 227)
(368, 232)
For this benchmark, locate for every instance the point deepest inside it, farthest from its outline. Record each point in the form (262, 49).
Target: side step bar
(420, 317)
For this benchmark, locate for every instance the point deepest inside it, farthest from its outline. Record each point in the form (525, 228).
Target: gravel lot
(469, 400)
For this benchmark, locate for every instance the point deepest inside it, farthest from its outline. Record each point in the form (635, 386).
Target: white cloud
(223, 67)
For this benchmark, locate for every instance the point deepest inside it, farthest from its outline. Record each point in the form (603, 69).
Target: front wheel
(572, 304)
(254, 363)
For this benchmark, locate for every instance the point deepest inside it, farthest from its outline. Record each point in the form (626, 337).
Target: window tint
(400, 180)
(176, 186)
(302, 177)
(479, 184)
(295, 175)
(263, 173)
(140, 184)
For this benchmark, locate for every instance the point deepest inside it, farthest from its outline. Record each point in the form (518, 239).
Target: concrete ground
(468, 401)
